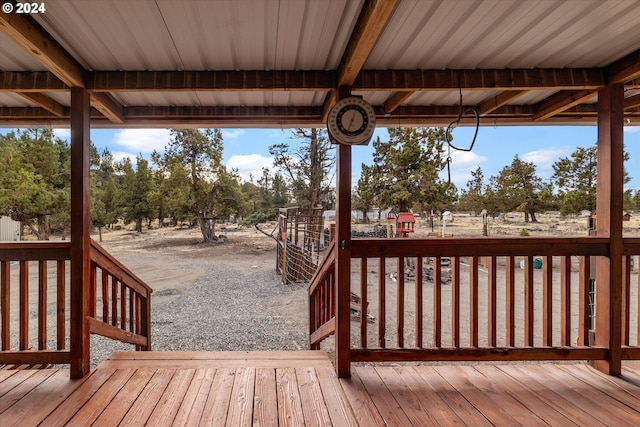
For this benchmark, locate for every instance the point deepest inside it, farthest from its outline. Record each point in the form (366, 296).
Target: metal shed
(9, 230)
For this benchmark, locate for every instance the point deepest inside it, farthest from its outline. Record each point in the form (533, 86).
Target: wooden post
(608, 332)
(343, 256)
(80, 238)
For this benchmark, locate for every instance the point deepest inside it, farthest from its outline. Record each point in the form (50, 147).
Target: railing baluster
(92, 289)
(42, 305)
(105, 295)
(493, 301)
(382, 290)
(24, 305)
(547, 301)
(565, 301)
(123, 306)
(61, 304)
(419, 304)
(114, 300)
(437, 302)
(626, 299)
(583, 303)
(132, 309)
(5, 303)
(510, 278)
(455, 301)
(363, 302)
(473, 301)
(400, 302)
(638, 304)
(528, 301)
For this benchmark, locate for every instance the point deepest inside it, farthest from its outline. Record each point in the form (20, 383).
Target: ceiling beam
(632, 101)
(108, 106)
(33, 39)
(259, 80)
(45, 102)
(396, 100)
(372, 19)
(31, 81)
(503, 79)
(560, 102)
(624, 69)
(498, 101)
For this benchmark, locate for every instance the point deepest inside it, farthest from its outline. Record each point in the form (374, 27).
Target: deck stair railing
(479, 299)
(35, 302)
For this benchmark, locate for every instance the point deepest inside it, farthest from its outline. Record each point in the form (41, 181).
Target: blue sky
(495, 147)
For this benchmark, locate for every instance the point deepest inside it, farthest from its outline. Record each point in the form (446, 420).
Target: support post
(343, 256)
(608, 331)
(80, 228)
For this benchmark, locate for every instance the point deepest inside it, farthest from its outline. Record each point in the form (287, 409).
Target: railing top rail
(35, 251)
(482, 246)
(122, 271)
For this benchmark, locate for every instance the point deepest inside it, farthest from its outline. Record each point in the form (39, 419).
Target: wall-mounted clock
(351, 121)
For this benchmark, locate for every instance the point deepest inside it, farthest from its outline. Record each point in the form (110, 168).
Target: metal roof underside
(279, 63)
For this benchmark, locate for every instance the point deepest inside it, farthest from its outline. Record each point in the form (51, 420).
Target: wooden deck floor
(300, 388)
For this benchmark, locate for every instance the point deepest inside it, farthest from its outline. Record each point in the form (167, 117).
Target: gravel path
(239, 305)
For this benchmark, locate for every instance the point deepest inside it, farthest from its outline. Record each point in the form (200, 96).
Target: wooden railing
(631, 308)
(459, 299)
(322, 308)
(34, 277)
(121, 307)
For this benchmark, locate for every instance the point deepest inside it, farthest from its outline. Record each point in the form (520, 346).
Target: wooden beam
(560, 102)
(395, 100)
(30, 81)
(204, 81)
(33, 39)
(608, 331)
(632, 102)
(498, 101)
(80, 237)
(624, 69)
(45, 102)
(372, 19)
(501, 79)
(108, 106)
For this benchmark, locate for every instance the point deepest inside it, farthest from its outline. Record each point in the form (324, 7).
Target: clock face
(352, 121)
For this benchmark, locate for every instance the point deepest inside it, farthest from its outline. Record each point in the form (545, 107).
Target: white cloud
(228, 134)
(632, 129)
(121, 155)
(462, 164)
(545, 158)
(142, 140)
(250, 164)
(62, 133)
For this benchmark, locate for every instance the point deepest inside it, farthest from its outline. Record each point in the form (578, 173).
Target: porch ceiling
(278, 63)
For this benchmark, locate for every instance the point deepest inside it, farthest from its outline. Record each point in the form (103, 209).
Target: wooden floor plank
(437, 410)
(458, 403)
(217, 406)
(22, 388)
(289, 405)
(385, 403)
(364, 409)
(143, 406)
(45, 397)
(195, 398)
(314, 407)
(559, 395)
(406, 398)
(167, 408)
(532, 401)
(626, 393)
(337, 404)
(595, 399)
(11, 379)
(248, 356)
(265, 401)
(502, 399)
(241, 404)
(492, 410)
(115, 411)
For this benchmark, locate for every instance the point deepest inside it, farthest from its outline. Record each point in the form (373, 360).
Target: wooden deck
(300, 388)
